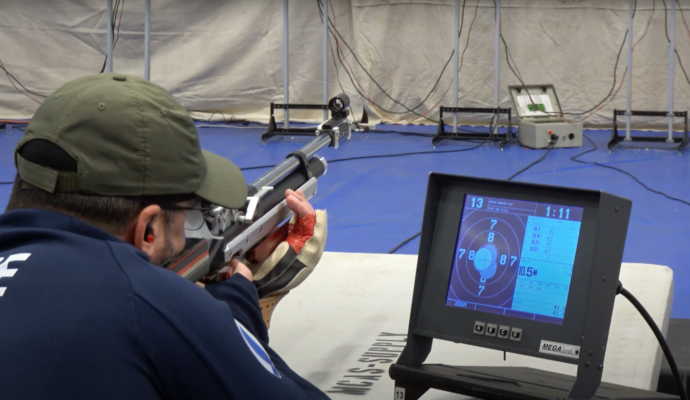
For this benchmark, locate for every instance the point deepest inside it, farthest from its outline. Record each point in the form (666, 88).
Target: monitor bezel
(438, 320)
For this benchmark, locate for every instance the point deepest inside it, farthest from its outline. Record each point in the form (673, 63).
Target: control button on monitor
(503, 332)
(491, 330)
(516, 334)
(479, 328)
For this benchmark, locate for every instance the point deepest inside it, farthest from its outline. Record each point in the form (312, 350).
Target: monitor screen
(514, 258)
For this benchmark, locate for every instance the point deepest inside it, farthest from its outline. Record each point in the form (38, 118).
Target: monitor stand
(501, 383)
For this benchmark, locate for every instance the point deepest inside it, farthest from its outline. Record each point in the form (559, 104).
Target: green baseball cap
(130, 138)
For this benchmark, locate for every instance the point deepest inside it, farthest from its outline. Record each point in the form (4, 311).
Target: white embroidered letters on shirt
(8, 273)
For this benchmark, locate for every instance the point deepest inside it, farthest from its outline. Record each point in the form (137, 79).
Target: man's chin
(173, 259)
(167, 257)
(164, 261)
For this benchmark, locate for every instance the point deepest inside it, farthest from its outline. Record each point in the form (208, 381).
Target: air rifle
(227, 233)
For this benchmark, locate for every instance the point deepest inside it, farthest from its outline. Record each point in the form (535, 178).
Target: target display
(514, 258)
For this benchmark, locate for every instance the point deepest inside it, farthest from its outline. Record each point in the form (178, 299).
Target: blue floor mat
(374, 204)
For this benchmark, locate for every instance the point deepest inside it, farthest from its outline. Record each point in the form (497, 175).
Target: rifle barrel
(290, 163)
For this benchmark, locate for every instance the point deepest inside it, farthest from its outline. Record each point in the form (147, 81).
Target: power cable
(406, 241)
(256, 167)
(549, 148)
(625, 73)
(12, 77)
(383, 156)
(118, 6)
(402, 133)
(335, 33)
(685, 22)
(359, 88)
(594, 148)
(680, 62)
(330, 46)
(615, 69)
(114, 17)
(462, 58)
(225, 119)
(405, 154)
(332, 28)
(659, 337)
(15, 86)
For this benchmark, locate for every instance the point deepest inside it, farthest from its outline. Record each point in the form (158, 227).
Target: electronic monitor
(514, 257)
(519, 267)
(525, 268)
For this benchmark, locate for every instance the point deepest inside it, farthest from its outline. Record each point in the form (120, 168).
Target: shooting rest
(268, 305)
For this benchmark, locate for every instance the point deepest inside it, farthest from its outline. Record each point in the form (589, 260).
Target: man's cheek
(178, 234)
(178, 242)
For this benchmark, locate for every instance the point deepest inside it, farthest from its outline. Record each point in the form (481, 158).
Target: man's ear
(138, 232)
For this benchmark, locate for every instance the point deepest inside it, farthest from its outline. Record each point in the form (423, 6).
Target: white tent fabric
(226, 56)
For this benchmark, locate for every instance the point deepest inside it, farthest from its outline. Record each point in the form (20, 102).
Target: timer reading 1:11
(560, 212)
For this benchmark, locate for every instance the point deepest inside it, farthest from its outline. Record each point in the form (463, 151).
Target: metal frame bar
(325, 56)
(109, 42)
(628, 115)
(671, 73)
(147, 40)
(682, 141)
(273, 129)
(285, 106)
(670, 114)
(286, 66)
(497, 58)
(497, 52)
(504, 138)
(455, 64)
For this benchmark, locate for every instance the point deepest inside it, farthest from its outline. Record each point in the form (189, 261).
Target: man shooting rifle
(109, 171)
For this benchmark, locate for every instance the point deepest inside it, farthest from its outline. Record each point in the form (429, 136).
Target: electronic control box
(541, 118)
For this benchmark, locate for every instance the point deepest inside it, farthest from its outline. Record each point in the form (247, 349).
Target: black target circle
(487, 257)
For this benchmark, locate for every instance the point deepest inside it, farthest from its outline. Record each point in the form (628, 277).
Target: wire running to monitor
(659, 336)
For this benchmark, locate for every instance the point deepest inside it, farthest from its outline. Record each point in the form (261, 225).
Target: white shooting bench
(339, 323)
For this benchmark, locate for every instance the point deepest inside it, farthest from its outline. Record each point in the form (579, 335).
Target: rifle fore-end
(254, 233)
(211, 255)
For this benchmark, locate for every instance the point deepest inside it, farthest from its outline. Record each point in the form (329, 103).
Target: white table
(340, 328)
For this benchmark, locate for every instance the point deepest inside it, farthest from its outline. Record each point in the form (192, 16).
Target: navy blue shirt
(84, 315)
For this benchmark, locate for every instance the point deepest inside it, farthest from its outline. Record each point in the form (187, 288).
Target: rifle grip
(263, 250)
